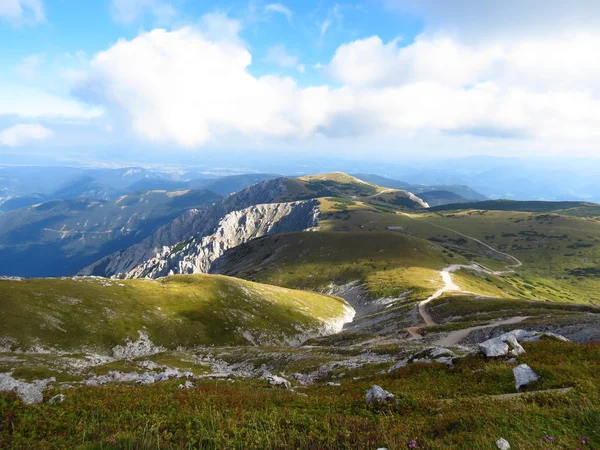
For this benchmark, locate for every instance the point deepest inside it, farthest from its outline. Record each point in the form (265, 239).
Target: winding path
(451, 286)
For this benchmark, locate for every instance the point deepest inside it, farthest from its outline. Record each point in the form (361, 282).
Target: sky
(377, 79)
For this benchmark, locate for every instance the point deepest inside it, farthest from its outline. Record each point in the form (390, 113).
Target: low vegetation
(184, 310)
(437, 407)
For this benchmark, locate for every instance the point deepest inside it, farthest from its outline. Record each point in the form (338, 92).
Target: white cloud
(333, 14)
(192, 86)
(22, 11)
(23, 134)
(301, 68)
(22, 101)
(278, 55)
(128, 11)
(29, 66)
(281, 9)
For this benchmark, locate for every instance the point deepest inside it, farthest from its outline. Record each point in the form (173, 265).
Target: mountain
(22, 202)
(438, 194)
(232, 183)
(85, 187)
(185, 245)
(514, 205)
(59, 237)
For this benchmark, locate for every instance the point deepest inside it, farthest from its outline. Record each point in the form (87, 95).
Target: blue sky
(378, 77)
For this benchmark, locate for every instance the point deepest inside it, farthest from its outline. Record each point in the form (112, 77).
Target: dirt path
(451, 286)
(455, 337)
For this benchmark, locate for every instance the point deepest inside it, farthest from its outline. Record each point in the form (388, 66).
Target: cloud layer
(22, 134)
(193, 86)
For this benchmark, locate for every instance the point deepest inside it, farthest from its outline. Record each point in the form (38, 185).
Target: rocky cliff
(192, 224)
(197, 254)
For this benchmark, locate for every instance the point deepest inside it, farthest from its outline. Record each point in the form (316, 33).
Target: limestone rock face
(235, 228)
(28, 392)
(192, 224)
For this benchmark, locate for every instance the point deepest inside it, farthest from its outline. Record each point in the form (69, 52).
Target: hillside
(441, 192)
(94, 315)
(514, 205)
(178, 247)
(60, 237)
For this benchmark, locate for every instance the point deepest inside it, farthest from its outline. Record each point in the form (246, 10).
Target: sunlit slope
(560, 253)
(389, 263)
(186, 310)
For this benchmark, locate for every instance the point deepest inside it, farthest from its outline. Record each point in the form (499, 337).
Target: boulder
(524, 375)
(504, 345)
(502, 444)
(378, 395)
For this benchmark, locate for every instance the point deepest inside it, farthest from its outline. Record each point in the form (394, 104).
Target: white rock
(504, 345)
(57, 399)
(502, 444)
(188, 384)
(274, 380)
(28, 392)
(524, 375)
(378, 395)
(134, 349)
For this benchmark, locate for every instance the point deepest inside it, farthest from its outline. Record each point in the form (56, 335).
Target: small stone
(378, 395)
(188, 384)
(57, 399)
(502, 444)
(524, 375)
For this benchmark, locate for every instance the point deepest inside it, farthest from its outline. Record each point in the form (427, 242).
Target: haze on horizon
(385, 80)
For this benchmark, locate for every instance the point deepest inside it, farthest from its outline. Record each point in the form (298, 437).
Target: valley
(271, 312)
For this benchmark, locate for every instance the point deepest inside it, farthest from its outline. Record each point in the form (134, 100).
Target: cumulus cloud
(128, 11)
(23, 134)
(192, 86)
(22, 11)
(279, 8)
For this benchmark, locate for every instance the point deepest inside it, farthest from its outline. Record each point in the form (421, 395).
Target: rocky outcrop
(377, 395)
(28, 392)
(194, 223)
(235, 228)
(524, 375)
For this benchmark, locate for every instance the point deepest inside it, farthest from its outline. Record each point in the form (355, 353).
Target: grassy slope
(560, 253)
(250, 415)
(461, 311)
(389, 263)
(176, 311)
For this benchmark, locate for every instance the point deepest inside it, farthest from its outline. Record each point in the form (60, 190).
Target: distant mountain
(85, 187)
(515, 205)
(22, 202)
(232, 183)
(441, 197)
(437, 195)
(195, 240)
(59, 237)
